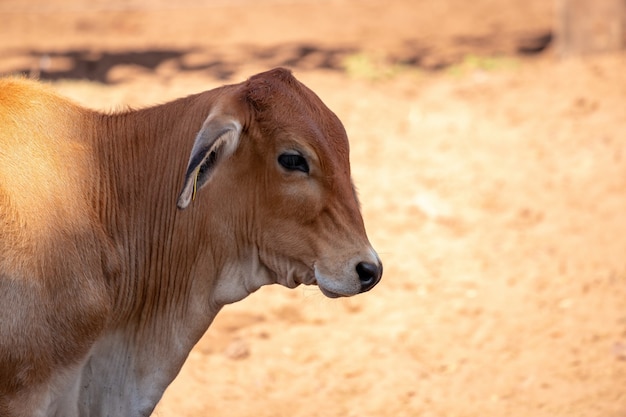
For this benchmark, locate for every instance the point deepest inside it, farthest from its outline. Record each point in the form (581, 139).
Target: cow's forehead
(281, 101)
(278, 92)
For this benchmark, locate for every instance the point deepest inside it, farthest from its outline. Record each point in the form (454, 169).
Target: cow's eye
(293, 162)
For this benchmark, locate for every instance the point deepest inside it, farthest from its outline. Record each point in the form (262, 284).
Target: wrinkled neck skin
(174, 269)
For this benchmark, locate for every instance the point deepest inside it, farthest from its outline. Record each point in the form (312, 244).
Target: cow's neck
(161, 309)
(144, 155)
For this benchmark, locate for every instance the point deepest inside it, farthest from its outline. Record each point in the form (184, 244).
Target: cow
(123, 234)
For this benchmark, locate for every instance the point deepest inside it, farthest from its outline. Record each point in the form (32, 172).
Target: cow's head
(277, 159)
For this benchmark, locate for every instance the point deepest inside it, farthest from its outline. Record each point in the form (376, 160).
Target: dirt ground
(492, 177)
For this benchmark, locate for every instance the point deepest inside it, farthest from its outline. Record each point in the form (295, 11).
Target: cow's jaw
(240, 278)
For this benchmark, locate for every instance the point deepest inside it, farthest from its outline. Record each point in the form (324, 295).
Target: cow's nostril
(369, 274)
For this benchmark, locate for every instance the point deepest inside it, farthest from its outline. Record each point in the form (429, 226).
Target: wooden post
(590, 26)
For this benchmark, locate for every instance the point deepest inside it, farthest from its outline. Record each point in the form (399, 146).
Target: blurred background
(488, 145)
(110, 41)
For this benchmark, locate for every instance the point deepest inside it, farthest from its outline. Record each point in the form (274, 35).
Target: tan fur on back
(41, 172)
(49, 250)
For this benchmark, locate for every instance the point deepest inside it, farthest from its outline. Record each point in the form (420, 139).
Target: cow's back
(52, 248)
(44, 156)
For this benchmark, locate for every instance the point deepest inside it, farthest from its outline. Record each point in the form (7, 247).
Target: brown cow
(105, 286)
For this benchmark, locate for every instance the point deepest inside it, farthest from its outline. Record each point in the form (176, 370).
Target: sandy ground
(493, 185)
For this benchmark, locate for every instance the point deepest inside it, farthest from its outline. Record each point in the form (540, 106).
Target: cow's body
(105, 286)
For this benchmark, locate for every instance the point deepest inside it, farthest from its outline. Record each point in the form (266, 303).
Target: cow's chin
(328, 293)
(333, 288)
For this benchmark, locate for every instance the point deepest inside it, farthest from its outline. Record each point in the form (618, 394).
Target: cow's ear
(216, 141)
